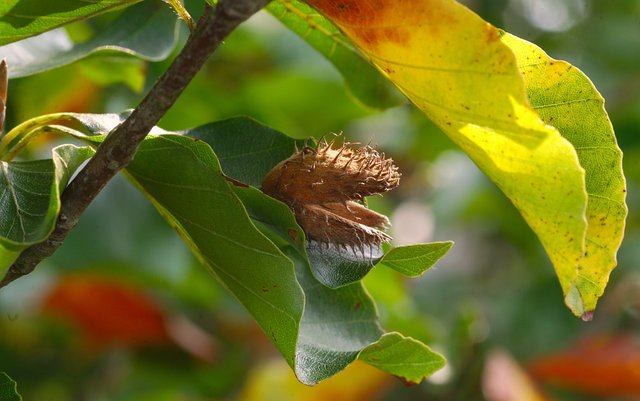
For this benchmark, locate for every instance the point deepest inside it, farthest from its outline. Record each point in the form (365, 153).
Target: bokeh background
(123, 311)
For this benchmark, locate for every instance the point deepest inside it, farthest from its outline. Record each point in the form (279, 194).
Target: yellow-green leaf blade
(414, 260)
(565, 98)
(454, 67)
(402, 356)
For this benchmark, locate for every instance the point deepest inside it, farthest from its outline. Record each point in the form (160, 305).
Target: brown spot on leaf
(293, 234)
(374, 36)
(491, 34)
(351, 12)
(371, 22)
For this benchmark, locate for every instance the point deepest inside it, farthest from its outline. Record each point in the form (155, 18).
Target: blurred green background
(495, 290)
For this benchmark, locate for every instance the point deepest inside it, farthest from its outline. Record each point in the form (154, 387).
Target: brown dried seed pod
(322, 187)
(324, 225)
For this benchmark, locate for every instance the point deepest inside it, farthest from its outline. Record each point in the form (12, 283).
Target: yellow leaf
(461, 73)
(274, 380)
(565, 98)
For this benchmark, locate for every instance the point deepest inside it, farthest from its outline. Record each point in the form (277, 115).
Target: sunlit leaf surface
(455, 67)
(565, 98)
(20, 19)
(146, 30)
(364, 82)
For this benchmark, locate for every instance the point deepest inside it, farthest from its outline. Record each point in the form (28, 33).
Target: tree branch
(121, 144)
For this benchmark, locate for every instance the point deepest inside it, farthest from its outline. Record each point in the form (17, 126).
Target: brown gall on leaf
(324, 187)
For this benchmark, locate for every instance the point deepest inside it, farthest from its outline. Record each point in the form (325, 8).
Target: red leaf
(602, 365)
(108, 311)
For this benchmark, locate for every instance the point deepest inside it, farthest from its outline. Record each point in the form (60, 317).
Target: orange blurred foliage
(606, 365)
(107, 311)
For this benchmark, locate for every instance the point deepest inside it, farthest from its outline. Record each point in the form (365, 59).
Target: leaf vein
(6, 175)
(178, 186)
(250, 290)
(216, 234)
(568, 102)
(614, 201)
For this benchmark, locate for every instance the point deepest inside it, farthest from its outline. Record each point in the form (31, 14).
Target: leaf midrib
(7, 175)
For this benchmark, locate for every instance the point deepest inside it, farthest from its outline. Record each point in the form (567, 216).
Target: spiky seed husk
(331, 175)
(323, 187)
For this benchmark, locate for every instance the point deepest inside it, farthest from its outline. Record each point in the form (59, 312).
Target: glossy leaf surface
(20, 19)
(146, 30)
(30, 198)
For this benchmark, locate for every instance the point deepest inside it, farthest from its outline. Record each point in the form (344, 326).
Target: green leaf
(338, 325)
(8, 255)
(30, 198)
(182, 178)
(364, 82)
(247, 150)
(402, 356)
(146, 30)
(337, 322)
(24, 18)
(251, 242)
(108, 71)
(414, 260)
(8, 388)
(565, 98)
(336, 266)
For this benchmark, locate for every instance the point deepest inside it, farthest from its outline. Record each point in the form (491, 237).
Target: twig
(121, 144)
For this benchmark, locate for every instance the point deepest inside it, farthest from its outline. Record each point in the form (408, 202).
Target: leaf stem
(23, 140)
(182, 12)
(11, 138)
(121, 144)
